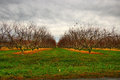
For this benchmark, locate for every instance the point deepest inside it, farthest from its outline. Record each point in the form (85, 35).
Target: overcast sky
(59, 15)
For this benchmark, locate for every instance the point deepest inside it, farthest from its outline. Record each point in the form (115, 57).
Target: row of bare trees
(89, 38)
(27, 36)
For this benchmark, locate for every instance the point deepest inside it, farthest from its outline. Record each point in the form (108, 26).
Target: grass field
(59, 64)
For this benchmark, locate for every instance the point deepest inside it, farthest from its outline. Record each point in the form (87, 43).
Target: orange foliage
(82, 51)
(6, 49)
(32, 52)
(113, 49)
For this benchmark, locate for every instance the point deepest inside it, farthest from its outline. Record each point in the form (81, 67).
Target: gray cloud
(62, 14)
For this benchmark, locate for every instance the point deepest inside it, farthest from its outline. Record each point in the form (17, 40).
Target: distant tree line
(89, 38)
(27, 36)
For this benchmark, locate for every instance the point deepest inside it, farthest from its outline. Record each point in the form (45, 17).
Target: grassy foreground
(59, 64)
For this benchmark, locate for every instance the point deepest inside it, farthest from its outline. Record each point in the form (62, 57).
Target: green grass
(59, 62)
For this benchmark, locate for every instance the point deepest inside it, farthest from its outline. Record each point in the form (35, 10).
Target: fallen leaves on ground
(6, 49)
(113, 49)
(82, 51)
(32, 51)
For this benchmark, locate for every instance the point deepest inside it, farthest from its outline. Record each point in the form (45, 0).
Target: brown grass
(114, 74)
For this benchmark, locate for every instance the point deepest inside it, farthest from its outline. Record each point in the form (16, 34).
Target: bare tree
(89, 38)
(25, 36)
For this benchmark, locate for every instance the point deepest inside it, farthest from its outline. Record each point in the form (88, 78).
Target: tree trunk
(22, 50)
(90, 49)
